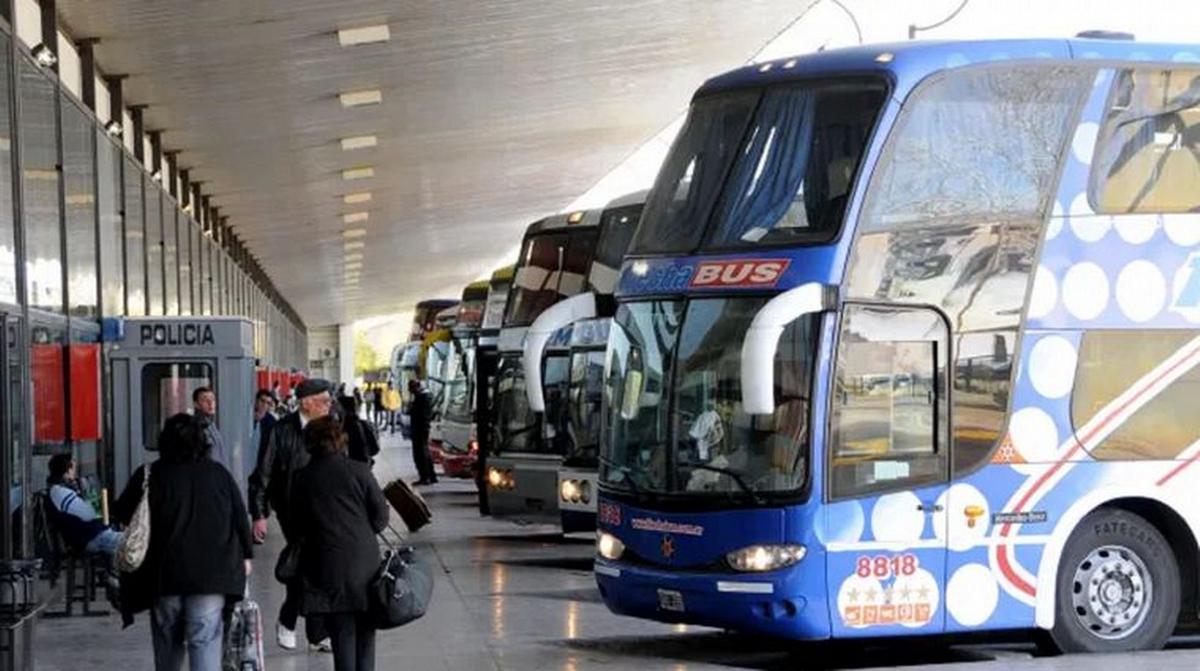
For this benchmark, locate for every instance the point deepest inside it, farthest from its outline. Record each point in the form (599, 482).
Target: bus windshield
(460, 372)
(552, 265)
(516, 424)
(686, 356)
(584, 398)
(761, 167)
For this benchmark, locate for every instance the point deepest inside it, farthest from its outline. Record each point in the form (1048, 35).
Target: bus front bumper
(788, 603)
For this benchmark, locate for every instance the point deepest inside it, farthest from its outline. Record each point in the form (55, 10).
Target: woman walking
(339, 508)
(200, 547)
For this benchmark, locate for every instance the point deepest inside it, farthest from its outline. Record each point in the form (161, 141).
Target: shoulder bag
(131, 550)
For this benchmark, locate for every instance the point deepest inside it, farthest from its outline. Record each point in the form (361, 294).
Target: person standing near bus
(283, 454)
(204, 402)
(391, 406)
(420, 413)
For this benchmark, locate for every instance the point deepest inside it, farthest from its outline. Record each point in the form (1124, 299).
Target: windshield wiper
(626, 471)
(733, 475)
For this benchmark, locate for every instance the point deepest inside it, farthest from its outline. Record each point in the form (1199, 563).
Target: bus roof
(436, 304)
(503, 275)
(578, 219)
(907, 63)
(476, 291)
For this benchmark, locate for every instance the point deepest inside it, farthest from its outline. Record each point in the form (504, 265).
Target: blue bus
(907, 344)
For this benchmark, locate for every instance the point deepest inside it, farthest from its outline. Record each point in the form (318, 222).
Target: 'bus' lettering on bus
(740, 273)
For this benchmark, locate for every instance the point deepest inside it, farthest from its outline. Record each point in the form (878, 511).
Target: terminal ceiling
(493, 114)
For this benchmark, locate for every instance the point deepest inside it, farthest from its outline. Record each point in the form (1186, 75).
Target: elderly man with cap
(281, 456)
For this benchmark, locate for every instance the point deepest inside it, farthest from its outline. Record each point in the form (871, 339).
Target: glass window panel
(39, 169)
(887, 430)
(687, 186)
(154, 246)
(135, 239)
(1148, 154)
(1112, 362)
(79, 189)
(108, 194)
(185, 263)
(167, 390)
(8, 256)
(170, 256)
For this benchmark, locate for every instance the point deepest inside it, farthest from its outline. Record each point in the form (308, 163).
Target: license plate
(669, 599)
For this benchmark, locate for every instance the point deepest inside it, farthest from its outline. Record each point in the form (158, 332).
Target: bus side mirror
(762, 341)
(568, 311)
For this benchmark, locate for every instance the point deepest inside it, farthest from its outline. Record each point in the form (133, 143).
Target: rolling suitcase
(244, 639)
(408, 504)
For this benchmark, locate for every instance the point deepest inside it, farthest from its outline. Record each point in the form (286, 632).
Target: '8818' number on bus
(886, 567)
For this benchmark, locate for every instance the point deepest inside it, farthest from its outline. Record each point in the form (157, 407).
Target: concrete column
(346, 355)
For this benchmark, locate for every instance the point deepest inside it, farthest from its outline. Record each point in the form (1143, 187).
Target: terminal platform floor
(510, 597)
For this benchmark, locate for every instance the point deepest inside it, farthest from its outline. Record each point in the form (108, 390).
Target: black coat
(279, 458)
(337, 509)
(199, 533)
(420, 413)
(364, 444)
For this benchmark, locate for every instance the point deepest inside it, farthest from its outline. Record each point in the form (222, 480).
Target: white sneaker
(285, 637)
(322, 646)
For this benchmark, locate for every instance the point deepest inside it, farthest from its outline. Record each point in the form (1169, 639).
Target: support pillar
(346, 355)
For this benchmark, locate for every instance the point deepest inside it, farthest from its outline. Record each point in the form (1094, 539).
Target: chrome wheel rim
(1112, 592)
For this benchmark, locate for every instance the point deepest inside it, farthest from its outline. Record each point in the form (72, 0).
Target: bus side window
(889, 427)
(1146, 154)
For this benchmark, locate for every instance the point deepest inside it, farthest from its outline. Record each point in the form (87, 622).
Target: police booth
(156, 364)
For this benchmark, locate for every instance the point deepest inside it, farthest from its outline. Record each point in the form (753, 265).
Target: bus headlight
(759, 558)
(568, 491)
(609, 546)
(501, 478)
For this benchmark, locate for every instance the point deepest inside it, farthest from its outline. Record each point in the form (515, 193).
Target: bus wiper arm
(733, 475)
(627, 471)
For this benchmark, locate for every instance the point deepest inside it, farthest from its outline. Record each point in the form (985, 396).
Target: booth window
(167, 390)
(39, 168)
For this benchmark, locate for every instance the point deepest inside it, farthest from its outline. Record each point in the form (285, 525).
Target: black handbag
(401, 588)
(287, 567)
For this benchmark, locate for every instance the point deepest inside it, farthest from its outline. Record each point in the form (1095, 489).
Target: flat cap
(312, 387)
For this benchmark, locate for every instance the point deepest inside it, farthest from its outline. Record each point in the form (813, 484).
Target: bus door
(888, 465)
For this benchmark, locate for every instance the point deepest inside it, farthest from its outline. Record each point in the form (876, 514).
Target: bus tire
(1118, 586)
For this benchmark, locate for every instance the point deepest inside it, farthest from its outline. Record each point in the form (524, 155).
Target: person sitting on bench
(76, 519)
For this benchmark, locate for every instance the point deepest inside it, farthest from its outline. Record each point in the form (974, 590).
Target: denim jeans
(191, 623)
(106, 541)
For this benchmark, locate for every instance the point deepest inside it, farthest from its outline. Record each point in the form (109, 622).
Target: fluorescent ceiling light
(354, 232)
(353, 257)
(359, 142)
(355, 217)
(360, 98)
(349, 37)
(358, 173)
(353, 245)
(356, 198)
(357, 265)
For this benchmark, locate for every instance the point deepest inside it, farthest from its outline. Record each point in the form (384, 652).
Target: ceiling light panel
(356, 198)
(357, 265)
(359, 142)
(355, 217)
(354, 232)
(353, 257)
(353, 245)
(360, 98)
(358, 173)
(351, 37)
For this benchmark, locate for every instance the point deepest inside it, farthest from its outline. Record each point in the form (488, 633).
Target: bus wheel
(1118, 586)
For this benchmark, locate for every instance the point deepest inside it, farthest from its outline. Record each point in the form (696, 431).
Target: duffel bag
(401, 589)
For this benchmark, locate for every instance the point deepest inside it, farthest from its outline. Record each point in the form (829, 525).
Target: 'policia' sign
(175, 334)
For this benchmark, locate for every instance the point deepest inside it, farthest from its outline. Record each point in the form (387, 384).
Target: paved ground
(522, 598)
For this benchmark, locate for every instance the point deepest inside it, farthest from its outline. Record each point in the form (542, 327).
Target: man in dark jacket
(281, 456)
(420, 412)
